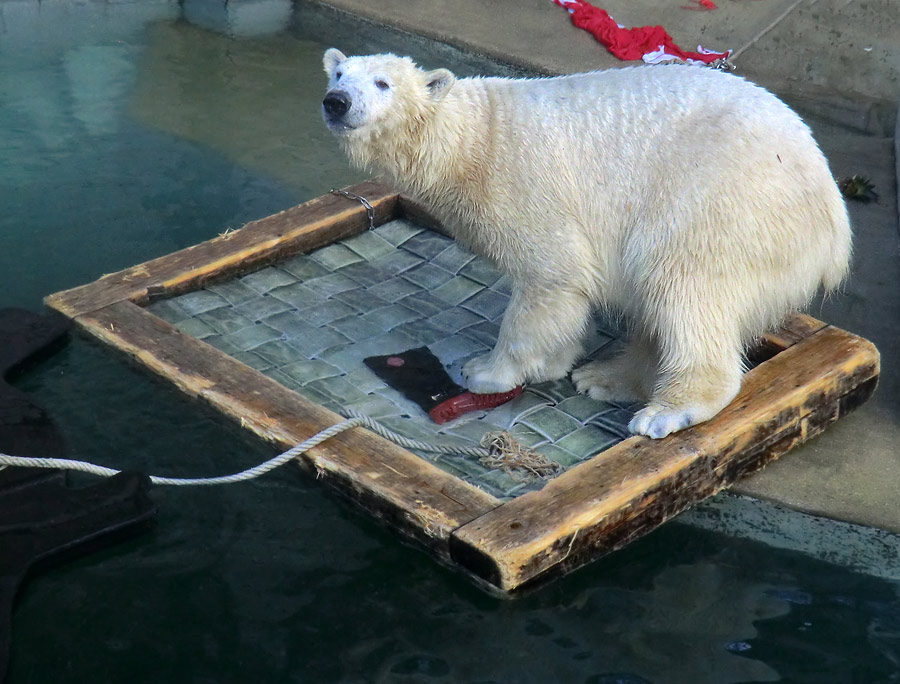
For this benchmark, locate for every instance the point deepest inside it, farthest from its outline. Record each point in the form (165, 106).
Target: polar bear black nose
(336, 103)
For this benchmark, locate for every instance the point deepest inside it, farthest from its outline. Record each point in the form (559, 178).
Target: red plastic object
(467, 401)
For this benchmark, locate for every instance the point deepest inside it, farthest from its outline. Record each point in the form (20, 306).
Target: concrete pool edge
(860, 548)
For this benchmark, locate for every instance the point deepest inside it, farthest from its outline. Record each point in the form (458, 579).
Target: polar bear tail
(837, 268)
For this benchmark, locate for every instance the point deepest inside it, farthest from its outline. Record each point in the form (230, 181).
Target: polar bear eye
(382, 85)
(337, 75)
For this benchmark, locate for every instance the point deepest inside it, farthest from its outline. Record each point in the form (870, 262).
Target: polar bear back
(649, 170)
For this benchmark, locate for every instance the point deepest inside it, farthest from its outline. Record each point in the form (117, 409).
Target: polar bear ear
(331, 59)
(439, 82)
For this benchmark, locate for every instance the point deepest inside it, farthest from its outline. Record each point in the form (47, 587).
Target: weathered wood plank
(302, 228)
(418, 498)
(795, 328)
(631, 488)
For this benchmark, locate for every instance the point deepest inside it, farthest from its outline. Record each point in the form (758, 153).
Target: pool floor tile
(428, 276)
(338, 388)
(581, 407)
(317, 341)
(525, 435)
(551, 422)
(485, 332)
(196, 328)
(427, 244)
(487, 303)
(397, 232)
(298, 295)
(223, 344)
(363, 274)
(361, 299)
(225, 320)
(423, 332)
(558, 455)
(263, 307)
(303, 268)
(202, 300)
(457, 290)
(268, 279)
(375, 406)
(394, 289)
(481, 272)
(169, 310)
(396, 263)
(586, 441)
(389, 317)
(506, 415)
(424, 303)
(365, 380)
(454, 320)
(453, 258)
(332, 284)
(308, 370)
(325, 312)
(233, 291)
(456, 347)
(555, 390)
(254, 360)
(335, 256)
(369, 245)
(356, 328)
(252, 337)
(277, 352)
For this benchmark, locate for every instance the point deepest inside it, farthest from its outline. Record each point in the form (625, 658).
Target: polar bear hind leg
(698, 373)
(627, 377)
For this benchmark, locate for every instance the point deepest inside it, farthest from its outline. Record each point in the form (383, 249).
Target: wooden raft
(811, 374)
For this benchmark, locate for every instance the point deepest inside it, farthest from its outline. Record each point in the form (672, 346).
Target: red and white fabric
(652, 44)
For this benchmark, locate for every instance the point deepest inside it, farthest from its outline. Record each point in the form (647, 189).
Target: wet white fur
(690, 200)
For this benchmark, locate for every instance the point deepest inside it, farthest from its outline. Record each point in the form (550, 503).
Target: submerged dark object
(857, 188)
(41, 520)
(420, 377)
(26, 337)
(43, 523)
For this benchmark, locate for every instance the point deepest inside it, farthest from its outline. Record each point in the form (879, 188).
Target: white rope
(355, 420)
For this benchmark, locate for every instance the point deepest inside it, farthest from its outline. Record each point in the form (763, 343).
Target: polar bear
(690, 200)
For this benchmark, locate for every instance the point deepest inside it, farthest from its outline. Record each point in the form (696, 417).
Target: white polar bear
(693, 202)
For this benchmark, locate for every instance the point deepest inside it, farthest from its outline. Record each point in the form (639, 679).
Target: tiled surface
(310, 321)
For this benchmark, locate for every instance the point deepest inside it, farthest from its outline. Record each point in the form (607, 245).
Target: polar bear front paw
(484, 376)
(657, 421)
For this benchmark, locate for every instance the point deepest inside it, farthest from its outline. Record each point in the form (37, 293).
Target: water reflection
(257, 101)
(244, 19)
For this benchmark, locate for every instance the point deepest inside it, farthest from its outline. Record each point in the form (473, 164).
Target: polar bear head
(379, 97)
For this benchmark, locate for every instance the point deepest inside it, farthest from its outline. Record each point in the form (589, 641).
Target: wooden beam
(302, 228)
(413, 495)
(636, 485)
(795, 328)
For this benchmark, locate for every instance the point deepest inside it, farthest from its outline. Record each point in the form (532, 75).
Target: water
(126, 132)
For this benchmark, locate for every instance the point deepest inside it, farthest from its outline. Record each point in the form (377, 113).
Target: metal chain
(370, 210)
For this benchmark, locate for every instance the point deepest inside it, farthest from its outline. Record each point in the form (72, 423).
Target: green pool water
(131, 129)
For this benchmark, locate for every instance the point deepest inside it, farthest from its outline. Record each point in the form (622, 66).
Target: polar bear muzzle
(336, 103)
